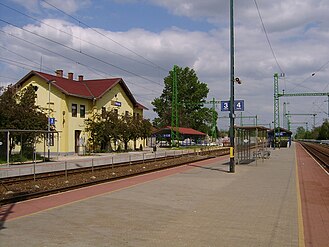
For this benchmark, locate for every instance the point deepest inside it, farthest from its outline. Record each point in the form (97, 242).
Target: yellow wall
(118, 94)
(115, 94)
(61, 110)
(56, 108)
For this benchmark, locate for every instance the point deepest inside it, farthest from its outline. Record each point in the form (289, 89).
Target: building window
(103, 112)
(74, 110)
(51, 139)
(82, 111)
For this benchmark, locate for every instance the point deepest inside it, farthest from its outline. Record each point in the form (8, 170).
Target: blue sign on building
(52, 120)
(117, 103)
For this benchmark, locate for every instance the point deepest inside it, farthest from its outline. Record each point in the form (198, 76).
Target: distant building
(187, 136)
(71, 102)
(283, 137)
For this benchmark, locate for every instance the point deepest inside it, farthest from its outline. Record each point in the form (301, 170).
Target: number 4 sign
(239, 105)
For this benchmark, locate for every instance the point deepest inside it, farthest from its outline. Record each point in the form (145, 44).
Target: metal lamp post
(232, 162)
(48, 132)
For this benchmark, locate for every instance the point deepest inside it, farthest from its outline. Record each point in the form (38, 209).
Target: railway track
(319, 151)
(29, 186)
(61, 173)
(67, 172)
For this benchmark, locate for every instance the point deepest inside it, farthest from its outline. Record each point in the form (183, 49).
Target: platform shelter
(251, 143)
(187, 136)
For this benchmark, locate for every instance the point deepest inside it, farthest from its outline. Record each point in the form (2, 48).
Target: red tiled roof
(89, 89)
(99, 87)
(184, 131)
(85, 88)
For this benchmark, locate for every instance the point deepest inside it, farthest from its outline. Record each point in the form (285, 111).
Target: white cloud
(298, 32)
(68, 6)
(31, 5)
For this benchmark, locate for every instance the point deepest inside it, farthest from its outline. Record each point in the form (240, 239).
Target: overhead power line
(314, 74)
(107, 37)
(19, 55)
(267, 38)
(79, 38)
(18, 64)
(83, 53)
(94, 70)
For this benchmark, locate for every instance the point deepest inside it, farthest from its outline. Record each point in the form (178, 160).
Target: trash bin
(154, 148)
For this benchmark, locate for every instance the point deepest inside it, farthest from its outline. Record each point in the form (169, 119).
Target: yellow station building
(70, 102)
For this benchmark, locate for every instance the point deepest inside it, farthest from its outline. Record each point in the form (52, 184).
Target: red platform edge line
(314, 195)
(17, 210)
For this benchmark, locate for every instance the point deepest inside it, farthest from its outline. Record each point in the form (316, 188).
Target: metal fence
(65, 163)
(19, 146)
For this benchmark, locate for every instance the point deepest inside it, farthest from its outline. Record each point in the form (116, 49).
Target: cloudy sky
(141, 40)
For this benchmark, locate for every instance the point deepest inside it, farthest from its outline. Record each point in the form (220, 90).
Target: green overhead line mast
(306, 123)
(276, 121)
(277, 95)
(214, 119)
(299, 114)
(174, 110)
(242, 117)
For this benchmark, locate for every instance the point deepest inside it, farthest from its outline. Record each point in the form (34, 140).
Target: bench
(261, 153)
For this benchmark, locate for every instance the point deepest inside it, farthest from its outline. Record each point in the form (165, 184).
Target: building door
(77, 140)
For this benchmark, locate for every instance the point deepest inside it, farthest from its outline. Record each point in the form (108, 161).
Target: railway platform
(266, 203)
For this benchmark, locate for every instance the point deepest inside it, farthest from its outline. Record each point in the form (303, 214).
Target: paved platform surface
(194, 205)
(314, 193)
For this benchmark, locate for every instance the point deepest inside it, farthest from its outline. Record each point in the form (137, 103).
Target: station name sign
(116, 103)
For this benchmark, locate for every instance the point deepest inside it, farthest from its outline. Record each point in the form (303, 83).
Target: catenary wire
(107, 37)
(83, 53)
(18, 64)
(76, 37)
(267, 38)
(19, 55)
(97, 71)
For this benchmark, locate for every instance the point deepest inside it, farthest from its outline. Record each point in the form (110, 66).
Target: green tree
(108, 127)
(191, 95)
(141, 129)
(8, 109)
(300, 133)
(128, 130)
(19, 111)
(104, 129)
(324, 131)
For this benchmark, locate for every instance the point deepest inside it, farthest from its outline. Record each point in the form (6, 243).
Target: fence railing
(65, 163)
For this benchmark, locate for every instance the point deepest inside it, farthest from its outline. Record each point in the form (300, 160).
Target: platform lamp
(232, 162)
(48, 129)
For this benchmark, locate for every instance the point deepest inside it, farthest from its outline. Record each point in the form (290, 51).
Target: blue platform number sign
(225, 105)
(52, 121)
(238, 105)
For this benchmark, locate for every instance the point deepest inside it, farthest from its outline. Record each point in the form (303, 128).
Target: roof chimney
(80, 77)
(70, 76)
(59, 73)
